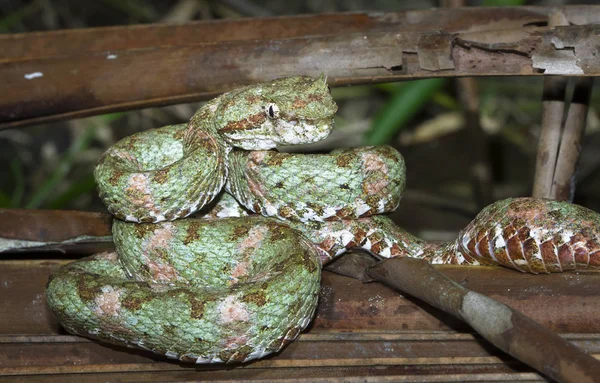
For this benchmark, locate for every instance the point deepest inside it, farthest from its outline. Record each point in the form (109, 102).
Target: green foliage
(141, 11)
(406, 101)
(78, 188)
(4, 200)
(82, 186)
(61, 170)
(502, 3)
(14, 200)
(17, 170)
(16, 18)
(445, 100)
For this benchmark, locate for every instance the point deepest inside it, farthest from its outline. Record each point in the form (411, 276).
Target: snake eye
(272, 110)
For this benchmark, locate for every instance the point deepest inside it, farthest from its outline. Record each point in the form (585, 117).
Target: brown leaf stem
(563, 184)
(553, 107)
(504, 327)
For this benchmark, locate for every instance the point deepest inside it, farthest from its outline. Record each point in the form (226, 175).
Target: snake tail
(531, 235)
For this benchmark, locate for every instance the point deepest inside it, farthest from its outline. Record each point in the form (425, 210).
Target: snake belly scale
(240, 280)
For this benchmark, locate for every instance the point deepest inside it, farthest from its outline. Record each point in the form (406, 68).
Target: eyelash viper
(229, 287)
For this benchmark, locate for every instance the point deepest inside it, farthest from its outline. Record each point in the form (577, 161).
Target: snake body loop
(347, 184)
(154, 176)
(232, 286)
(198, 290)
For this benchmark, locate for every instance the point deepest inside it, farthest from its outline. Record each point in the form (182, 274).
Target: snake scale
(240, 278)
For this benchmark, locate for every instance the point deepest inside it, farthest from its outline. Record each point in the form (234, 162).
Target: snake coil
(229, 286)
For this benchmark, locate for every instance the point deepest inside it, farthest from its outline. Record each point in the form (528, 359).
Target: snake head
(286, 111)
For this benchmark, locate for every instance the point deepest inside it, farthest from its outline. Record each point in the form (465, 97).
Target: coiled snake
(227, 286)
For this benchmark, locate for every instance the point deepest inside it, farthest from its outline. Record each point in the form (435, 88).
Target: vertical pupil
(271, 111)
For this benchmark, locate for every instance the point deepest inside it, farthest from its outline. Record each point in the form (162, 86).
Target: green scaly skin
(345, 184)
(203, 291)
(140, 177)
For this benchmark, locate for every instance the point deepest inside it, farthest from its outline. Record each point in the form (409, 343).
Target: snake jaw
(279, 132)
(303, 131)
